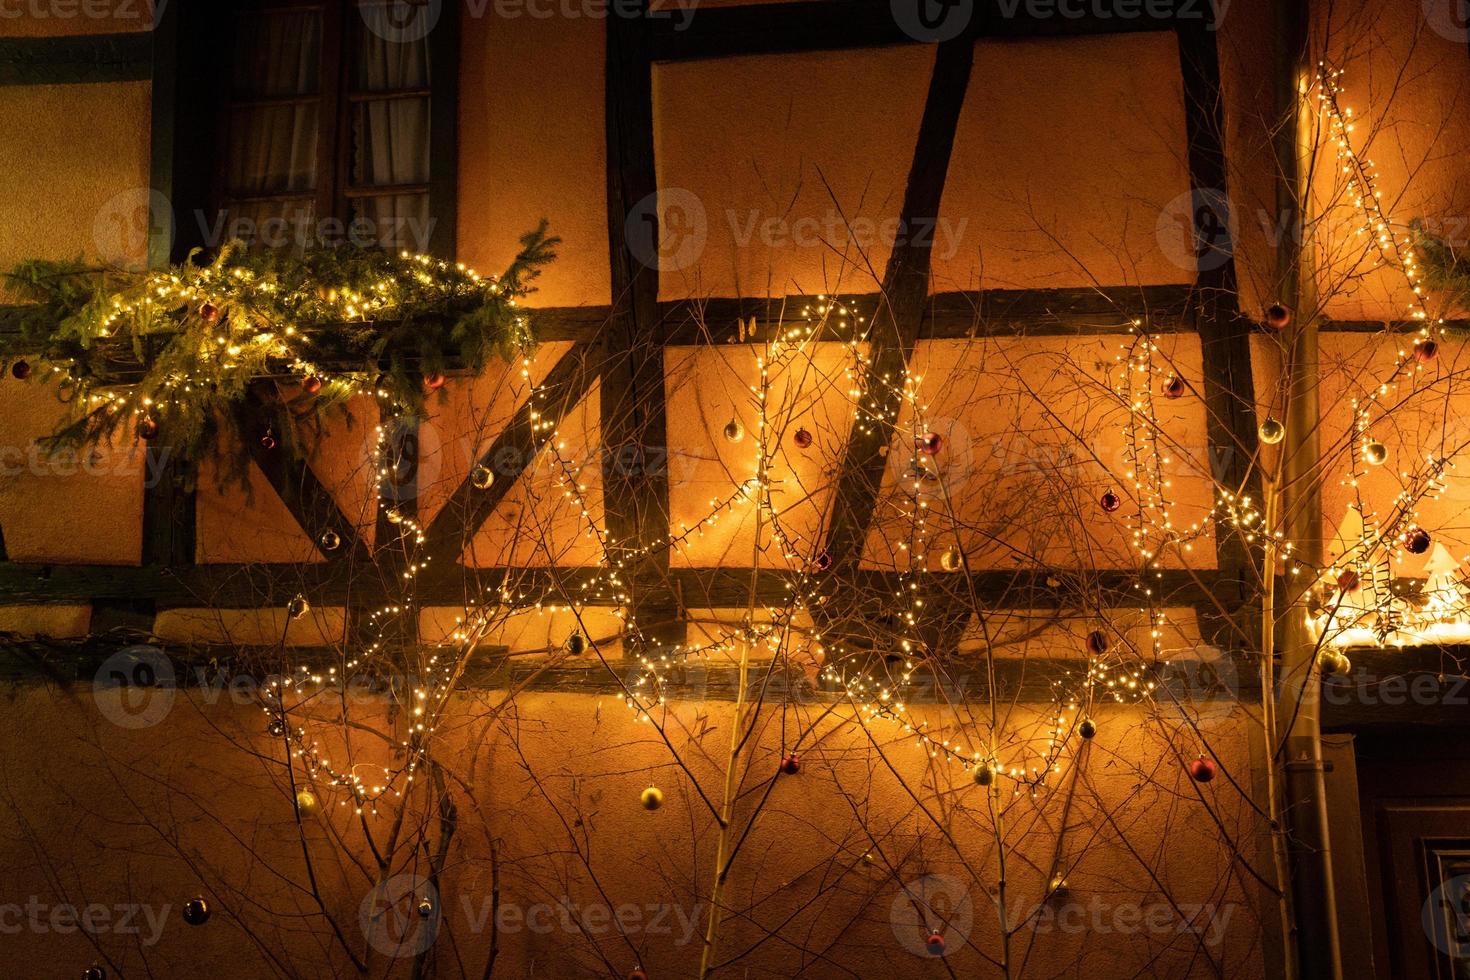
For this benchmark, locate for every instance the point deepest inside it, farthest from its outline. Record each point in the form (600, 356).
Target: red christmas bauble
(638, 974)
(1417, 541)
(1097, 643)
(1278, 317)
(94, 973)
(311, 385)
(802, 438)
(934, 943)
(822, 562)
(1110, 501)
(268, 440)
(209, 312)
(1425, 351)
(1347, 580)
(929, 442)
(790, 764)
(147, 429)
(20, 370)
(1202, 770)
(1174, 387)
(434, 381)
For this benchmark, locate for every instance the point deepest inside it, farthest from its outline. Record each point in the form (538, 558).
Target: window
(325, 134)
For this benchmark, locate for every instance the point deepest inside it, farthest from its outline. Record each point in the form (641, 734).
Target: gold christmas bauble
(1272, 431)
(482, 476)
(306, 802)
(952, 560)
(653, 798)
(1375, 452)
(984, 775)
(734, 431)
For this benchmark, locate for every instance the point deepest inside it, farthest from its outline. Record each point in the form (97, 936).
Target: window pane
(272, 149)
(390, 142)
(395, 221)
(277, 53)
(383, 65)
(274, 224)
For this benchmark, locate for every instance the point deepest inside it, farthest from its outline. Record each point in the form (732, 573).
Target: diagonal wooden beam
(895, 323)
(308, 500)
(507, 457)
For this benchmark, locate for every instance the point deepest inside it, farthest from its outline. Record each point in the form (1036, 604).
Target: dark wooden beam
(444, 41)
(895, 321)
(1227, 382)
(635, 478)
(965, 679)
(827, 25)
(310, 503)
(169, 527)
(126, 57)
(263, 585)
(1399, 690)
(512, 452)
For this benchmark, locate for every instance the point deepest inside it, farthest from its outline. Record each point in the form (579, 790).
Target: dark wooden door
(1415, 793)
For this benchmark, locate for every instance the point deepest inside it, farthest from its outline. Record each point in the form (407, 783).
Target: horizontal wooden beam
(828, 25)
(223, 673)
(126, 57)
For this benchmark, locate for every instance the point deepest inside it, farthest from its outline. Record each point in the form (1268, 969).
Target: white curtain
(273, 147)
(391, 137)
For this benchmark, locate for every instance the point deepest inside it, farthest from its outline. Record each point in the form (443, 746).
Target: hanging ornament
(576, 644)
(426, 907)
(1417, 541)
(1110, 501)
(1278, 317)
(1334, 662)
(822, 562)
(638, 974)
(196, 911)
(94, 972)
(1174, 387)
(298, 607)
(393, 516)
(1374, 452)
(330, 540)
(482, 476)
(311, 385)
(268, 440)
(276, 728)
(1347, 580)
(147, 429)
(929, 443)
(983, 774)
(208, 312)
(652, 798)
(1097, 643)
(951, 560)
(1272, 431)
(307, 803)
(790, 764)
(1087, 728)
(20, 370)
(1425, 350)
(434, 381)
(1059, 886)
(1202, 770)
(734, 431)
(802, 438)
(934, 943)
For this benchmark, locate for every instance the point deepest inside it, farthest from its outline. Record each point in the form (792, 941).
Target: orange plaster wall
(1032, 437)
(765, 162)
(532, 147)
(62, 18)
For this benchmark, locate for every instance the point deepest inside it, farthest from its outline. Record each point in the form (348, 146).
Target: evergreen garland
(178, 349)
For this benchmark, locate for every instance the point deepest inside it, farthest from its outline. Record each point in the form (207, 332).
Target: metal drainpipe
(1314, 898)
